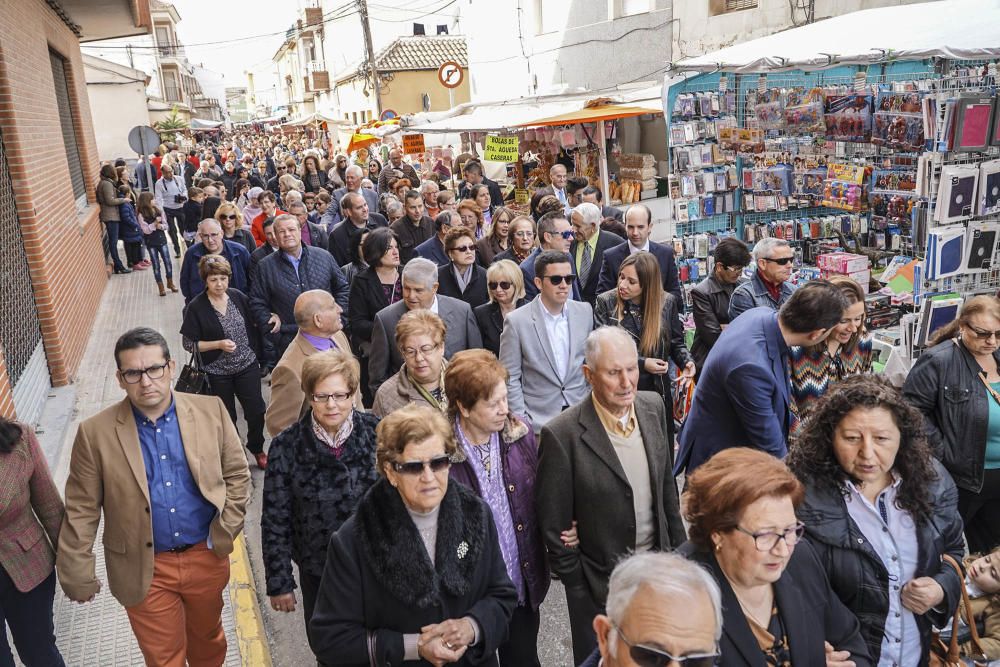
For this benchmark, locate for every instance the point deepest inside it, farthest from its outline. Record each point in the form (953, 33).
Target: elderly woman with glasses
(497, 239)
(318, 470)
(420, 338)
(778, 607)
(462, 278)
(230, 219)
(416, 574)
(521, 240)
(505, 283)
(881, 513)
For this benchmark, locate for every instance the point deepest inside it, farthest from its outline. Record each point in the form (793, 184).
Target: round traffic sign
(143, 139)
(451, 74)
(388, 114)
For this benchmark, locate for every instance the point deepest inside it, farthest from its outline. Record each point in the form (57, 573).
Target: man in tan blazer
(168, 472)
(320, 328)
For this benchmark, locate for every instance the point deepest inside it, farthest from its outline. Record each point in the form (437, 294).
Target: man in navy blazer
(639, 226)
(743, 397)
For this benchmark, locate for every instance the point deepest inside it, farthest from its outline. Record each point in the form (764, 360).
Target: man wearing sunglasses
(662, 610)
(554, 233)
(769, 286)
(542, 344)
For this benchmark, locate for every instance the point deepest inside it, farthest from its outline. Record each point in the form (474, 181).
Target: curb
(253, 647)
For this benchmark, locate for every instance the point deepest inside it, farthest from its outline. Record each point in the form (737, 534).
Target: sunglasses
(568, 234)
(556, 280)
(436, 464)
(781, 260)
(463, 248)
(643, 656)
(984, 335)
(503, 284)
(229, 217)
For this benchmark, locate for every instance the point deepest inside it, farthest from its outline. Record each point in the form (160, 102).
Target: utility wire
(430, 13)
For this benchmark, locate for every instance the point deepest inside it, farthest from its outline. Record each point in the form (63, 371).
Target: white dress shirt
(632, 249)
(557, 327)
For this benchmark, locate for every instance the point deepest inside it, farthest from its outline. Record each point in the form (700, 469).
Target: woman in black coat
(416, 574)
(314, 178)
(315, 479)
(863, 448)
(460, 245)
(505, 283)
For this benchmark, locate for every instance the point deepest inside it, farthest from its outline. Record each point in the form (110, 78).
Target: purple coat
(519, 454)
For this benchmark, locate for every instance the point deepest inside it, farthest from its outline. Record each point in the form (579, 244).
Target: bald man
(211, 242)
(320, 328)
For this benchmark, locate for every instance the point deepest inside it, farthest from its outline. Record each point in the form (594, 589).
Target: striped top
(812, 372)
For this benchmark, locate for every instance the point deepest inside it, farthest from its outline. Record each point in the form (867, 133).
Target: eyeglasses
(436, 464)
(568, 234)
(780, 260)
(229, 217)
(411, 353)
(325, 398)
(556, 280)
(503, 284)
(463, 248)
(984, 335)
(525, 234)
(767, 540)
(645, 656)
(132, 375)
(735, 267)
(280, 168)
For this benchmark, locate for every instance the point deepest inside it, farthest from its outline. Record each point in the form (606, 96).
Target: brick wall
(62, 244)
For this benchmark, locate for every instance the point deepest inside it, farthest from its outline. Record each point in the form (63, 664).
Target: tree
(171, 125)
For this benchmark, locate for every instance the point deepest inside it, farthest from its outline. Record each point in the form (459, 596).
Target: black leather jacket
(944, 386)
(856, 572)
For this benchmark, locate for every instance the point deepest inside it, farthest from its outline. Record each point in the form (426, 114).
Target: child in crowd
(982, 581)
(129, 231)
(192, 214)
(153, 223)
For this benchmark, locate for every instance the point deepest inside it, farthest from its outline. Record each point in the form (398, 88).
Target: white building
(117, 97)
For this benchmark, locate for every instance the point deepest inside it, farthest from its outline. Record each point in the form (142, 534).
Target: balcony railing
(317, 76)
(171, 50)
(172, 93)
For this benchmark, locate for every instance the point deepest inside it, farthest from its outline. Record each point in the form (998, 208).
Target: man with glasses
(661, 608)
(608, 454)
(420, 290)
(710, 298)
(769, 286)
(744, 396)
(212, 242)
(554, 233)
(542, 344)
(433, 248)
(168, 472)
(280, 170)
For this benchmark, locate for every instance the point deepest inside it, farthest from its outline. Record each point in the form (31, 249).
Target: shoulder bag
(949, 655)
(193, 379)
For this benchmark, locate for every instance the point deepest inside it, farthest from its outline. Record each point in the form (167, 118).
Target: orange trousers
(180, 620)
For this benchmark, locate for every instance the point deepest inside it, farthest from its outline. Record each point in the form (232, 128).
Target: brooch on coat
(463, 549)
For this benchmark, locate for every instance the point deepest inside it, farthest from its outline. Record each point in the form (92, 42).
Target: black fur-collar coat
(379, 583)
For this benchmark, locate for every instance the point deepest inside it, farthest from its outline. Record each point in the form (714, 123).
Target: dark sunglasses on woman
(436, 464)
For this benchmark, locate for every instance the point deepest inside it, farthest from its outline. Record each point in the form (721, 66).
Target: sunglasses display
(436, 464)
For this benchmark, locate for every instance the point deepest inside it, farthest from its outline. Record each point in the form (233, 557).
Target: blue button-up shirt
(181, 515)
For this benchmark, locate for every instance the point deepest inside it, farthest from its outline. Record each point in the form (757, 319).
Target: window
(553, 15)
(737, 5)
(64, 101)
(633, 7)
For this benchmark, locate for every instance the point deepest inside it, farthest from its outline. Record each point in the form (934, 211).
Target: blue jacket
(129, 229)
(743, 396)
(753, 294)
(433, 250)
(191, 282)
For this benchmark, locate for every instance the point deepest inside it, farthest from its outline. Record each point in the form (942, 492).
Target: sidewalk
(98, 633)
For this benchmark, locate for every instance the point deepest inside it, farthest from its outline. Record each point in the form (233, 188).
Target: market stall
(845, 136)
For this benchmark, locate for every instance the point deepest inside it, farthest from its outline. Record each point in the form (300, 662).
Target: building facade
(119, 94)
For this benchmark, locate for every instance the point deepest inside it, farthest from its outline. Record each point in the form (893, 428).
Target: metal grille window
(70, 143)
(736, 5)
(20, 332)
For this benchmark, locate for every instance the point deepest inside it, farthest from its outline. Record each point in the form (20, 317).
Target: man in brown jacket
(320, 328)
(168, 472)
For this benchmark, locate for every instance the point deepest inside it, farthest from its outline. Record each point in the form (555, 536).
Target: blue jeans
(156, 253)
(112, 226)
(29, 616)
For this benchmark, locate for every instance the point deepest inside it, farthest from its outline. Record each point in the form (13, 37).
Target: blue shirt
(993, 431)
(181, 515)
(294, 260)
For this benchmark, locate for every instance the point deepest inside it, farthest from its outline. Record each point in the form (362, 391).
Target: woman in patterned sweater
(846, 352)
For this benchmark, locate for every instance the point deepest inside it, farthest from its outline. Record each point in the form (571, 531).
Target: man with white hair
(429, 191)
(769, 285)
(353, 176)
(587, 250)
(212, 242)
(420, 285)
(557, 185)
(605, 463)
(662, 607)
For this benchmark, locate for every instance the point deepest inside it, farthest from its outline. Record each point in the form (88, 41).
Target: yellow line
(246, 612)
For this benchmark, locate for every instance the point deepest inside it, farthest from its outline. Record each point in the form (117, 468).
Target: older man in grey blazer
(605, 464)
(542, 344)
(420, 285)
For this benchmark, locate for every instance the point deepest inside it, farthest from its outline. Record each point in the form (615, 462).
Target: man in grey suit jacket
(606, 464)
(542, 344)
(420, 284)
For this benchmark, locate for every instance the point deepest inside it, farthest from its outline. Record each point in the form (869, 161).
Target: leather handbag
(949, 655)
(193, 379)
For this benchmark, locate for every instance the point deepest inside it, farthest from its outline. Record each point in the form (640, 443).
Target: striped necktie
(585, 263)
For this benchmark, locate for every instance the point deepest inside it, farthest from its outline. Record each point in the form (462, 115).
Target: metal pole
(363, 11)
(145, 161)
(602, 145)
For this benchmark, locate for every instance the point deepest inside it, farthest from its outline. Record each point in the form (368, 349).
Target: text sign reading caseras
(501, 149)
(413, 144)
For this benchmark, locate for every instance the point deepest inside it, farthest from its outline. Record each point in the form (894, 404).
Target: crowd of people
(468, 400)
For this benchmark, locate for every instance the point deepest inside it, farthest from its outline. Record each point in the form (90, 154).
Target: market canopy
(199, 124)
(953, 29)
(595, 114)
(315, 118)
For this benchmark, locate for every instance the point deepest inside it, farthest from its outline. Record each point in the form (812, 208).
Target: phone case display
(980, 246)
(974, 114)
(989, 187)
(957, 193)
(945, 252)
(848, 117)
(899, 122)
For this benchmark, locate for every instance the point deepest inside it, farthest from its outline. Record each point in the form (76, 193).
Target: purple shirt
(494, 494)
(321, 344)
(306, 235)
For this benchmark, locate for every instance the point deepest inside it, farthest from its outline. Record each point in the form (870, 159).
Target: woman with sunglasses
(416, 574)
(710, 298)
(230, 218)
(521, 236)
(956, 385)
(778, 608)
(881, 512)
(505, 283)
(650, 315)
(318, 470)
(420, 339)
(462, 278)
(497, 239)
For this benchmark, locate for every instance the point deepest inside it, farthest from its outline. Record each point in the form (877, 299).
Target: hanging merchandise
(989, 187)
(980, 246)
(945, 252)
(956, 197)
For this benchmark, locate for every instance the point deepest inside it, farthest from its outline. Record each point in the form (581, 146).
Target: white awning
(953, 29)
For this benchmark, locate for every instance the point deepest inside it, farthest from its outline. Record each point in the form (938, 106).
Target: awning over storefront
(199, 124)
(596, 114)
(315, 119)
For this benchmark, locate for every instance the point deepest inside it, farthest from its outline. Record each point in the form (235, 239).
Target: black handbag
(193, 379)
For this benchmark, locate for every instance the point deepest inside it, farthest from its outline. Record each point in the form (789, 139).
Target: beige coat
(288, 401)
(107, 475)
(398, 392)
